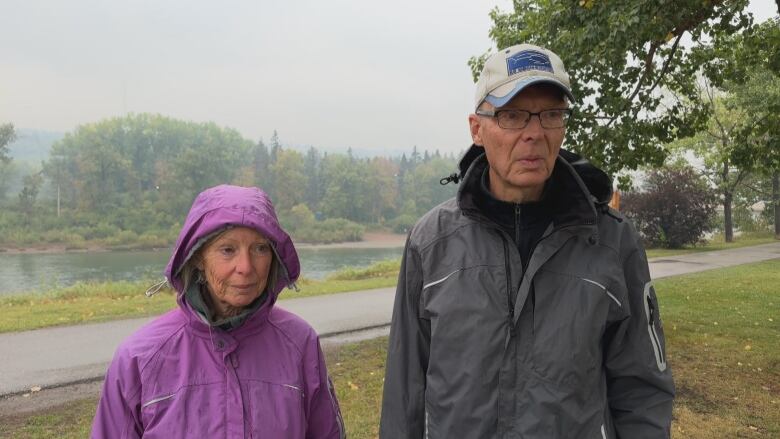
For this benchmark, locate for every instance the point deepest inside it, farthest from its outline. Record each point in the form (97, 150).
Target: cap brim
(501, 96)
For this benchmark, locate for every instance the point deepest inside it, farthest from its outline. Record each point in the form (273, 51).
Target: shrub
(386, 268)
(122, 238)
(674, 210)
(328, 231)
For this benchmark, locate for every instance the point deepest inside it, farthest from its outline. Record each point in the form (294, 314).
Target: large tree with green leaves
(633, 66)
(759, 98)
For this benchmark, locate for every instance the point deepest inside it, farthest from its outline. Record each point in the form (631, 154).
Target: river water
(39, 272)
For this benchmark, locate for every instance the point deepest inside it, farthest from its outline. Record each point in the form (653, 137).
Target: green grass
(68, 421)
(723, 345)
(718, 242)
(97, 302)
(723, 337)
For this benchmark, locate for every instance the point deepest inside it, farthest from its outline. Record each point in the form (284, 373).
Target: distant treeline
(129, 181)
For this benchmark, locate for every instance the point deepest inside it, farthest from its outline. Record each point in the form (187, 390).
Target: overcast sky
(332, 74)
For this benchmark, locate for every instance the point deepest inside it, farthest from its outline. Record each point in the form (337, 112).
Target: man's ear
(474, 126)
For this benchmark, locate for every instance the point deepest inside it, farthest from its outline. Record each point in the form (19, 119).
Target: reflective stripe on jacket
(572, 348)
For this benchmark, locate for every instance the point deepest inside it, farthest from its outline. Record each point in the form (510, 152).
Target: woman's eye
(227, 251)
(262, 248)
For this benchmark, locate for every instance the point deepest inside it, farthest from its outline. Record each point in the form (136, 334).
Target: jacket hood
(222, 206)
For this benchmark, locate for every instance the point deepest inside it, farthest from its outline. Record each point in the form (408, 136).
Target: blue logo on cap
(528, 60)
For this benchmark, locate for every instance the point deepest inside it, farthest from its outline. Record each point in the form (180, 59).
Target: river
(35, 272)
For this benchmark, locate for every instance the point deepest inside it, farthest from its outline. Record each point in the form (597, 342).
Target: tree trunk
(728, 221)
(728, 196)
(776, 199)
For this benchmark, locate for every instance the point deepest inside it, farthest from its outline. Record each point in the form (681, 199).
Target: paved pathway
(62, 355)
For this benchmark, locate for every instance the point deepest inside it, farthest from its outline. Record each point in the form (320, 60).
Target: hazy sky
(332, 74)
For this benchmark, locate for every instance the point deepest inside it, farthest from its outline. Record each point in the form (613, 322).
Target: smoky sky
(332, 74)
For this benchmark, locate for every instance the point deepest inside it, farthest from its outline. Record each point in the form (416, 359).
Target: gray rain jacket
(572, 348)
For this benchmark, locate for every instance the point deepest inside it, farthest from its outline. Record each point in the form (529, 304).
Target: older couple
(524, 306)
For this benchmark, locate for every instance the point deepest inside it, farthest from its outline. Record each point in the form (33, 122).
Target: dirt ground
(33, 402)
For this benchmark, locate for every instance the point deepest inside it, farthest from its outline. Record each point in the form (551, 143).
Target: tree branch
(648, 69)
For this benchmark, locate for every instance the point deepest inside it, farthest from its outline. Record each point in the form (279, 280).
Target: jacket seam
(289, 338)
(439, 237)
(148, 360)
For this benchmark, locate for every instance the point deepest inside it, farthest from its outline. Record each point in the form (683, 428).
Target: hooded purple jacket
(178, 377)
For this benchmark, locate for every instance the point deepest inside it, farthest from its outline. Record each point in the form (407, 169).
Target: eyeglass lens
(521, 118)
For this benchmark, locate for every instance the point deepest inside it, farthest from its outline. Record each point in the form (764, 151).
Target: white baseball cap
(510, 70)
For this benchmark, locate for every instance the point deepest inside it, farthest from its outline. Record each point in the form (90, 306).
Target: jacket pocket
(570, 314)
(173, 412)
(653, 325)
(276, 409)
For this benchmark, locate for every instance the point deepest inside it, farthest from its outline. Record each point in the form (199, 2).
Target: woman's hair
(189, 271)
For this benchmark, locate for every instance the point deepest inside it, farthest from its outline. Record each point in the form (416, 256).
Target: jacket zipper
(517, 226)
(654, 339)
(509, 289)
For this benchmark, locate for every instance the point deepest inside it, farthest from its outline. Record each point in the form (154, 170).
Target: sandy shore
(370, 240)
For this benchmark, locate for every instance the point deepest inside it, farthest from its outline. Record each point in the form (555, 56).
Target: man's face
(521, 160)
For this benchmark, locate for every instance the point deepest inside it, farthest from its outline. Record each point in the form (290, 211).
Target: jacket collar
(575, 191)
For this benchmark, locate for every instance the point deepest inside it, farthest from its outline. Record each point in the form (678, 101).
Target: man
(524, 306)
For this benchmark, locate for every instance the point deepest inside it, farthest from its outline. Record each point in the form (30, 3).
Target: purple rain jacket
(178, 377)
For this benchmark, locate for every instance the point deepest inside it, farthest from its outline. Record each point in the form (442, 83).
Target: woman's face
(236, 266)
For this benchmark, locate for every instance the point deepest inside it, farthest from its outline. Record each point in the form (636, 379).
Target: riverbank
(96, 302)
(370, 240)
(100, 302)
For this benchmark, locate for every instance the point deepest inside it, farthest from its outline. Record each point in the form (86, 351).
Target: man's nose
(534, 127)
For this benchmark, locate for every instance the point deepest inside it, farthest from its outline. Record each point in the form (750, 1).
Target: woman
(226, 362)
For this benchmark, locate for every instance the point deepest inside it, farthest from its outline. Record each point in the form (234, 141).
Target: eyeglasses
(519, 119)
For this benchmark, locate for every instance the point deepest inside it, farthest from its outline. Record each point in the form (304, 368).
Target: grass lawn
(723, 344)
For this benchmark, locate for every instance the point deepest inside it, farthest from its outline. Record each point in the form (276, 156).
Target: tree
(7, 136)
(29, 194)
(312, 170)
(9, 173)
(422, 188)
(759, 97)
(674, 210)
(261, 159)
(122, 162)
(289, 179)
(631, 76)
(716, 146)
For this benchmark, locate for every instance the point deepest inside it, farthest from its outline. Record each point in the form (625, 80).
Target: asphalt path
(58, 356)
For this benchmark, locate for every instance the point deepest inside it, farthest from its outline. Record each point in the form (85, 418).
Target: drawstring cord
(154, 289)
